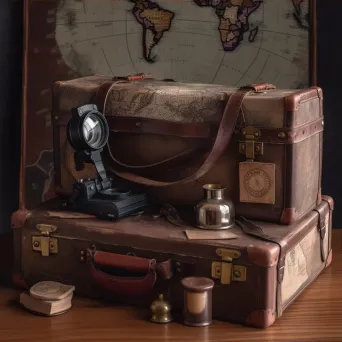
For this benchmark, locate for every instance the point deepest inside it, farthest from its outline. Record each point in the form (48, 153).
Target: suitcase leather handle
(224, 134)
(127, 286)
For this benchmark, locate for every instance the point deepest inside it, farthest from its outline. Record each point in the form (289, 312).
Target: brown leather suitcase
(264, 145)
(257, 275)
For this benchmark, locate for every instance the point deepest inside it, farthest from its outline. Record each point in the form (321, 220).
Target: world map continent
(233, 18)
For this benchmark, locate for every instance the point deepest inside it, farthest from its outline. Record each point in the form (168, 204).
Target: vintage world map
(231, 42)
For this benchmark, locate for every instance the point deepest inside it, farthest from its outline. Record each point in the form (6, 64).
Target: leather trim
(19, 218)
(289, 214)
(292, 102)
(263, 257)
(329, 259)
(329, 200)
(291, 136)
(164, 269)
(124, 124)
(18, 281)
(262, 318)
(136, 77)
(258, 87)
(319, 197)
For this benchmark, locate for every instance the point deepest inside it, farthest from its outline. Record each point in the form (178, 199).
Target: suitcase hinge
(225, 270)
(45, 243)
(250, 148)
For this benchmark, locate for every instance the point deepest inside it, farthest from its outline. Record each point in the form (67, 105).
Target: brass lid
(198, 284)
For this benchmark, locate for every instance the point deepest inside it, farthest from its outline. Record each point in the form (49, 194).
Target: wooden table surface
(315, 316)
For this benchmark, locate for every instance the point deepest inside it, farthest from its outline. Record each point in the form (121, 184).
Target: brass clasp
(250, 147)
(225, 270)
(45, 243)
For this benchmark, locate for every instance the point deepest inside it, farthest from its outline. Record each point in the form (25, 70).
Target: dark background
(329, 79)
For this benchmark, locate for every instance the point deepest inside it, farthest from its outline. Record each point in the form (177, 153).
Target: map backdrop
(232, 42)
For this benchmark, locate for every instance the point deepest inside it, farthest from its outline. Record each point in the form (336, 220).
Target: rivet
(256, 134)
(244, 132)
(56, 118)
(36, 244)
(82, 258)
(281, 135)
(237, 274)
(82, 252)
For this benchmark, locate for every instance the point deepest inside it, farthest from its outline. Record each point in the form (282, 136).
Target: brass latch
(225, 270)
(45, 243)
(250, 147)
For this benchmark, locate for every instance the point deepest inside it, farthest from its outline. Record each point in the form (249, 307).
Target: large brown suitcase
(264, 145)
(256, 275)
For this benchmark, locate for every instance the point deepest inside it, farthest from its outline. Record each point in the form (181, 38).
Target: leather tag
(257, 182)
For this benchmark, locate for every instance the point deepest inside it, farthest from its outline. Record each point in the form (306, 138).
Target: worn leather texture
(280, 261)
(142, 149)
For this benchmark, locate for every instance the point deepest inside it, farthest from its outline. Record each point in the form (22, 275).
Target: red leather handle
(127, 262)
(259, 87)
(127, 286)
(123, 286)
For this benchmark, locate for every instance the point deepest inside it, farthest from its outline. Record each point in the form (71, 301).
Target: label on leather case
(257, 182)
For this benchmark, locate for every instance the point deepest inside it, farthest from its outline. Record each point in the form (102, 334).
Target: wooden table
(315, 316)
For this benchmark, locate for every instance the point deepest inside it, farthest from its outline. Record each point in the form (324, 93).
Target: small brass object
(161, 311)
(281, 135)
(250, 147)
(45, 243)
(215, 211)
(224, 270)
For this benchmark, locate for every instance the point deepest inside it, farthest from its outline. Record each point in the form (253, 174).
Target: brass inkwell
(214, 212)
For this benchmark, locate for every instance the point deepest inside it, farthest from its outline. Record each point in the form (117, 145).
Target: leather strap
(322, 229)
(225, 131)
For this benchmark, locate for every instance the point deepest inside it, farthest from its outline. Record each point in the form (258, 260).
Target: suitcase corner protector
(19, 218)
(262, 318)
(264, 256)
(18, 281)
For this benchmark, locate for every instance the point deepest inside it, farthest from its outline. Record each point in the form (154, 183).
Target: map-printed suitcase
(264, 145)
(257, 275)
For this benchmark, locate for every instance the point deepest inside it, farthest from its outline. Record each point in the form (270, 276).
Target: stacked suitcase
(240, 138)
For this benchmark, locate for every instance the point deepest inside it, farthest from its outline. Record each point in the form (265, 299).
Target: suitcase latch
(45, 243)
(225, 270)
(250, 147)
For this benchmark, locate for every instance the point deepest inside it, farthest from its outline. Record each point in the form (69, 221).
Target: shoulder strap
(225, 131)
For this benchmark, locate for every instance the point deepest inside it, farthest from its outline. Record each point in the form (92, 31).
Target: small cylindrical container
(197, 311)
(214, 211)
